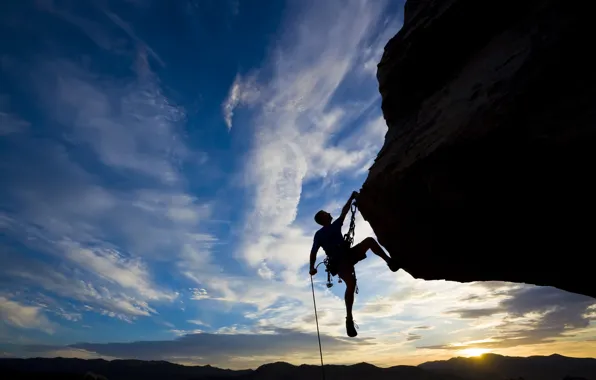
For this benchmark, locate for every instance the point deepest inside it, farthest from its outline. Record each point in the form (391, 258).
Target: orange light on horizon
(473, 352)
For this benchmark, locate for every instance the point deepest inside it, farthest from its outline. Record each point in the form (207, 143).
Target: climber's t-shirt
(329, 238)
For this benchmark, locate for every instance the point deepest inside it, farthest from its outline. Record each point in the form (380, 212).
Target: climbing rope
(317, 321)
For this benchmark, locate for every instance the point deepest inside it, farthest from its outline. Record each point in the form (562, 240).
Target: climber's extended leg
(346, 273)
(359, 252)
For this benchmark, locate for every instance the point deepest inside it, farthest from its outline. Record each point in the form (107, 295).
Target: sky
(161, 164)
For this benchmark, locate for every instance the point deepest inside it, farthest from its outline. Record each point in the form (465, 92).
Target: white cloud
(265, 272)
(96, 296)
(23, 316)
(180, 208)
(69, 316)
(244, 91)
(51, 305)
(287, 249)
(198, 322)
(111, 265)
(131, 127)
(185, 332)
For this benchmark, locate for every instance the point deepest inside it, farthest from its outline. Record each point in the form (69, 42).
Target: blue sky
(161, 163)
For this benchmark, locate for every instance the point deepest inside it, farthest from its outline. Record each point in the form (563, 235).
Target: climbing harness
(349, 240)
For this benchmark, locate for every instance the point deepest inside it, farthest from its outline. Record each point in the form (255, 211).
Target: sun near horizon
(474, 352)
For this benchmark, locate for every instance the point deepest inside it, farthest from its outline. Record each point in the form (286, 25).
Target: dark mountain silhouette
(285, 371)
(62, 368)
(487, 367)
(492, 366)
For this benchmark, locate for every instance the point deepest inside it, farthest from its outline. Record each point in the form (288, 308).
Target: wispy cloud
(198, 322)
(94, 294)
(218, 349)
(130, 127)
(133, 35)
(24, 316)
(98, 32)
(528, 315)
(244, 91)
(128, 273)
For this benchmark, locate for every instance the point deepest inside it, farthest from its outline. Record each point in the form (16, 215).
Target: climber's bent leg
(346, 273)
(360, 249)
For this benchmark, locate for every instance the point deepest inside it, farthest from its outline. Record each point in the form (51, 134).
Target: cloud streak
(529, 315)
(243, 92)
(23, 316)
(212, 348)
(130, 127)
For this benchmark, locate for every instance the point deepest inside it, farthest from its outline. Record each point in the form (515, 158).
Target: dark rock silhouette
(488, 367)
(486, 170)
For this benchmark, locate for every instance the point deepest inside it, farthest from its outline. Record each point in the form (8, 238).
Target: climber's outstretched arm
(346, 208)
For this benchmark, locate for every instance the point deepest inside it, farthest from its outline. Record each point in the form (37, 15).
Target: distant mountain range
(487, 367)
(497, 367)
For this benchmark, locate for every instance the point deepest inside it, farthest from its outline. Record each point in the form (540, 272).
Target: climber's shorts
(346, 259)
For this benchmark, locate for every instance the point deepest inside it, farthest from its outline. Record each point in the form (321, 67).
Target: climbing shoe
(393, 265)
(350, 329)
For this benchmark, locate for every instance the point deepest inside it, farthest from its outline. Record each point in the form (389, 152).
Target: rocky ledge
(487, 170)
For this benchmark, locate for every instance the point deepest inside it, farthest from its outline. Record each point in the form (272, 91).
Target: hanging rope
(317, 321)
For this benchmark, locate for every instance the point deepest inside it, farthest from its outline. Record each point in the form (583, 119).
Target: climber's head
(323, 218)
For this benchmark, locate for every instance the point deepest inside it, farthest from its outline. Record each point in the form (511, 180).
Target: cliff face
(488, 166)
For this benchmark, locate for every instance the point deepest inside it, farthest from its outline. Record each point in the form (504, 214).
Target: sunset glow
(471, 352)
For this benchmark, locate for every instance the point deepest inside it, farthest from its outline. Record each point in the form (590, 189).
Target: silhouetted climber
(342, 257)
